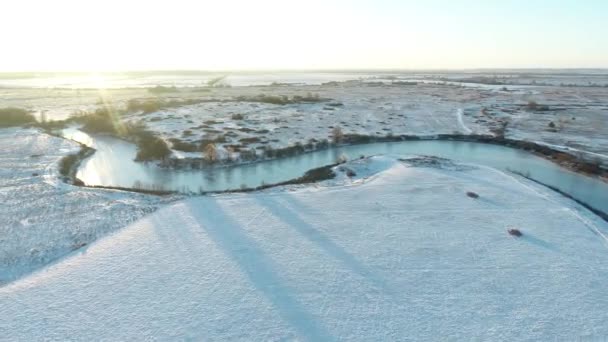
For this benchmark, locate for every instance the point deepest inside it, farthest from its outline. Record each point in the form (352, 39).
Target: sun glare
(97, 80)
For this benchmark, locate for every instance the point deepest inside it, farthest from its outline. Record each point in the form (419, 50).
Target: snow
(398, 253)
(43, 218)
(464, 127)
(388, 107)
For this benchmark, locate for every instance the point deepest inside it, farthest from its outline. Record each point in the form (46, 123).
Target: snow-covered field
(579, 115)
(42, 218)
(403, 254)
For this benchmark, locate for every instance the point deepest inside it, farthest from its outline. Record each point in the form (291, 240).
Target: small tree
(210, 152)
(337, 135)
(43, 117)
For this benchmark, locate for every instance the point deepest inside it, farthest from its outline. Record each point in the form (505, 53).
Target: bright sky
(104, 35)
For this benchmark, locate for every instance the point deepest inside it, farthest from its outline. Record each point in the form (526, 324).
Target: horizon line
(280, 70)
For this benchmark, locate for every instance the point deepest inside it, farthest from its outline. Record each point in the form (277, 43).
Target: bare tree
(336, 134)
(210, 153)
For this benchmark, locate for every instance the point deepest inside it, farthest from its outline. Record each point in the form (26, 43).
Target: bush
(249, 154)
(146, 106)
(101, 121)
(66, 163)
(210, 153)
(238, 116)
(12, 116)
(150, 105)
(249, 140)
(533, 106)
(593, 167)
(218, 82)
(337, 135)
(179, 145)
(282, 99)
(472, 194)
(161, 89)
(515, 232)
(151, 147)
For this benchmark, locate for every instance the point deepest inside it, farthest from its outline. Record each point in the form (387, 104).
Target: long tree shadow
(292, 219)
(258, 267)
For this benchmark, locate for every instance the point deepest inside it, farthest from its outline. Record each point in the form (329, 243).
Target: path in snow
(464, 127)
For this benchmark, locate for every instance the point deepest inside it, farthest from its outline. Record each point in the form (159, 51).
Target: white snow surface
(402, 254)
(41, 217)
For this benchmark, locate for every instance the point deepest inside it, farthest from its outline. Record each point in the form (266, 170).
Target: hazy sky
(99, 35)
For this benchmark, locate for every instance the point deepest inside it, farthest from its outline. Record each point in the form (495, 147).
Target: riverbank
(43, 218)
(564, 159)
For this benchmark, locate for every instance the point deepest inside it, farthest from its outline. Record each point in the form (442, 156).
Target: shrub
(102, 120)
(66, 163)
(336, 134)
(472, 194)
(515, 232)
(249, 140)
(533, 106)
(238, 116)
(282, 99)
(146, 106)
(179, 145)
(218, 82)
(501, 129)
(249, 154)
(310, 97)
(593, 167)
(161, 89)
(135, 129)
(12, 116)
(151, 147)
(210, 153)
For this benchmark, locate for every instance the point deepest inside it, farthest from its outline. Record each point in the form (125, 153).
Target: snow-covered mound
(404, 255)
(42, 218)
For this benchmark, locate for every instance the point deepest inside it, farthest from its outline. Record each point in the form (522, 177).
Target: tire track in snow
(464, 127)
